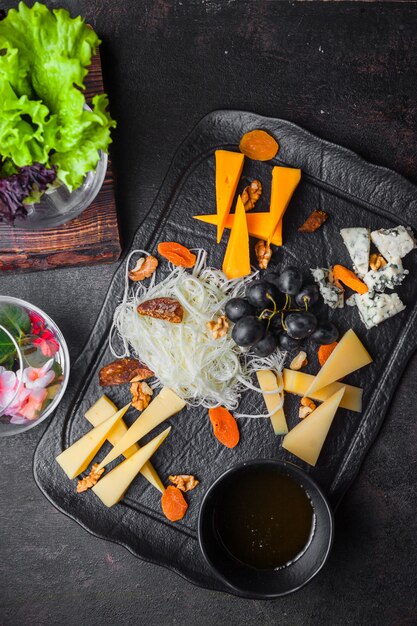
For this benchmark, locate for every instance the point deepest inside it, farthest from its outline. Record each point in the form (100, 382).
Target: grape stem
(268, 314)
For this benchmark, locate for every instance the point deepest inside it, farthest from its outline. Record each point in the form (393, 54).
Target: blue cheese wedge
(394, 242)
(387, 277)
(375, 310)
(357, 241)
(331, 293)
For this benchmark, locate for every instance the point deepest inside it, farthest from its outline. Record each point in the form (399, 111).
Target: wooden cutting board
(91, 238)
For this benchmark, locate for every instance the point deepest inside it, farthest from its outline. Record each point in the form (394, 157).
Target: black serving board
(354, 193)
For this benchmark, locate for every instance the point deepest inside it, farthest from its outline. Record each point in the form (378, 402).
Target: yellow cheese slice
(258, 225)
(229, 166)
(299, 382)
(102, 410)
(268, 382)
(166, 404)
(236, 261)
(77, 457)
(112, 486)
(348, 356)
(307, 438)
(284, 182)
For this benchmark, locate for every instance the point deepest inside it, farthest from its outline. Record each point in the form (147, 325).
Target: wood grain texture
(91, 238)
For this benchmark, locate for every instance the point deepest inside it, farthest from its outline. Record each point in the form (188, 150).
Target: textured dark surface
(354, 193)
(345, 71)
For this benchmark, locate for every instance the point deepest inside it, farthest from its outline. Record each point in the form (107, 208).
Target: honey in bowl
(265, 519)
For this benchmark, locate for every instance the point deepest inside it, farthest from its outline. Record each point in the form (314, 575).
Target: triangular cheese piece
(268, 382)
(258, 225)
(299, 382)
(77, 457)
(102, 410)
(307, 438)
(229, 166)
(166, 404)
(349, 355)
(284, 182)
(358, 242)
(113, 486)
(236, 261)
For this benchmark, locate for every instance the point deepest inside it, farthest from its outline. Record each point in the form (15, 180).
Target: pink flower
(8, 386)
(38, 324)
(47, 343)
(32, 406)
(38, 377)
(28, 406)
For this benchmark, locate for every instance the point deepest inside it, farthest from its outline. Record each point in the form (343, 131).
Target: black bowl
(248, 581)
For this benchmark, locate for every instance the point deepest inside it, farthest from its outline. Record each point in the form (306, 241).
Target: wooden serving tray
(91, 238)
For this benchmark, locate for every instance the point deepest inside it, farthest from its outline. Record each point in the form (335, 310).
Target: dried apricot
(173, 504)
(176, 253)
(258, 145)
(325, 351)
(224, 426)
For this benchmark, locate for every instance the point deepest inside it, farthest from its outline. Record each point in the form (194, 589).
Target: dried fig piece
(167, 309)
(313, 222)
(122, 371)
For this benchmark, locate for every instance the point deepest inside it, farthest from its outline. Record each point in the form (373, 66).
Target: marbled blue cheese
(358, 243)
(387, 277)
(394, 242)
(331, 294)
(375, 310)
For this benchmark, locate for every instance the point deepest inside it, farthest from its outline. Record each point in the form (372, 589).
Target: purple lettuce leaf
(15, 188)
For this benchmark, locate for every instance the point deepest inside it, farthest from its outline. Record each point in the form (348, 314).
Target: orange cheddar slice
(229, 167)
(284, 182)
(258, 225)
(236, 261)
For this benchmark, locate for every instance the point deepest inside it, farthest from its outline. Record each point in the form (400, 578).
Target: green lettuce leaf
(43, 65)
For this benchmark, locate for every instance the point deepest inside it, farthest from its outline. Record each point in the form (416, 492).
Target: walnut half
(263, 253)
(219, 327)
(376, 261)
(251, 194)
(184, 482)
(141, 393)
(89, 481)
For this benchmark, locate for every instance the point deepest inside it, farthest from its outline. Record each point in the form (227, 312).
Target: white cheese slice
(307, 438)
(165, 405)
(113, 486)
(381, 307)
(394, 242)
(77, 457)
(387, 277)
(357, 242)
(331, 294)
(268, 383)
(348, 356)
(102, 410)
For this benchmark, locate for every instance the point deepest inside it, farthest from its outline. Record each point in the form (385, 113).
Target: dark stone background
(345, 71)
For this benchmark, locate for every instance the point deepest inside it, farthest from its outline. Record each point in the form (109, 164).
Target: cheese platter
(320, 214)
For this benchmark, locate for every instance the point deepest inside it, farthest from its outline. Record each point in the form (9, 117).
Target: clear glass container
(58, 205)
(34, 366)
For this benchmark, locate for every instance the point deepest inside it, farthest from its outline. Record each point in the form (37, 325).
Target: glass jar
(34, 366)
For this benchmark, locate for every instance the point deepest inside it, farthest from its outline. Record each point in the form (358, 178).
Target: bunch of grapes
(275, 312)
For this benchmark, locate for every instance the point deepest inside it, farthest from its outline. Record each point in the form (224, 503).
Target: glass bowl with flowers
(34, 365)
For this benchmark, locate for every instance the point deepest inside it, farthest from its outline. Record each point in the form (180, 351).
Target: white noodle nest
(185, 357)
